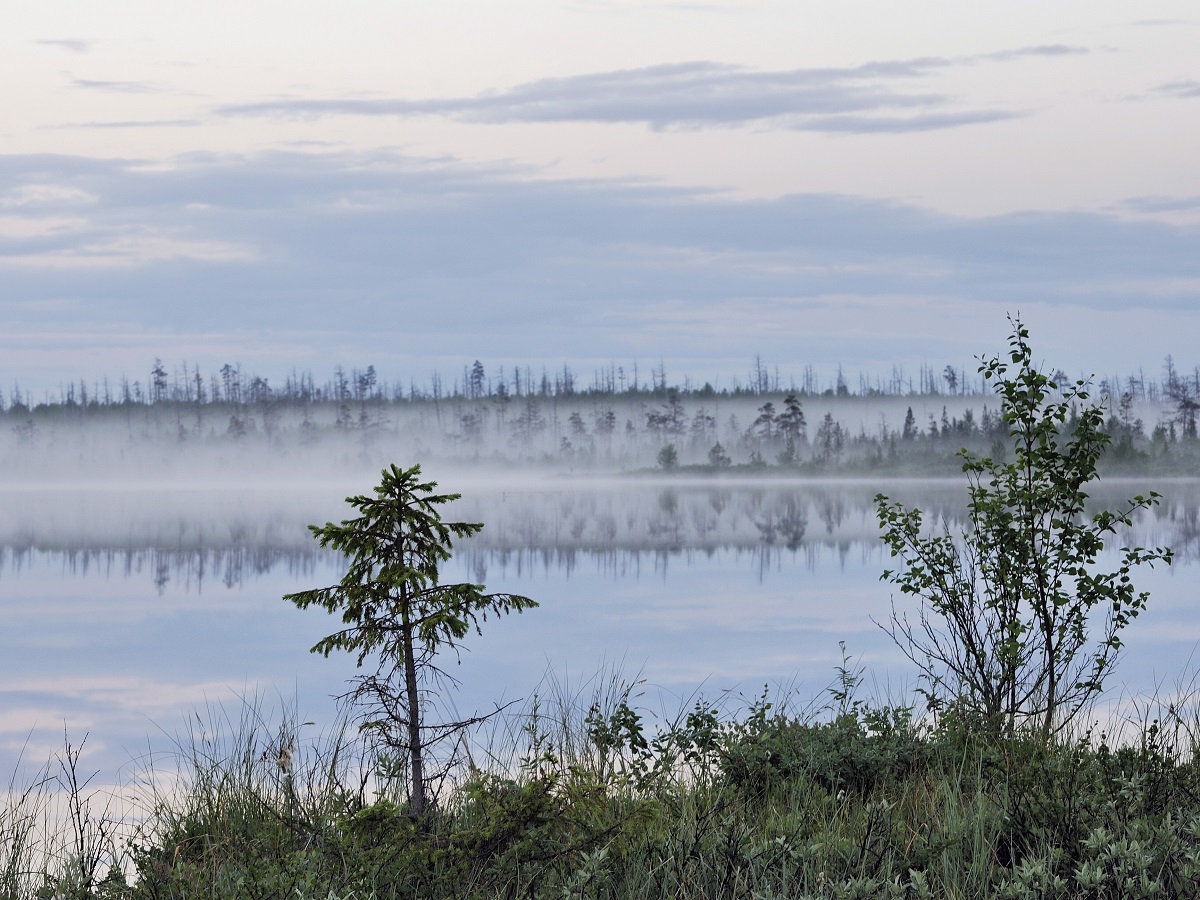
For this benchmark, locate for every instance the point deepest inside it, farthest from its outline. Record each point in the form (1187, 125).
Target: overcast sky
(417, 185)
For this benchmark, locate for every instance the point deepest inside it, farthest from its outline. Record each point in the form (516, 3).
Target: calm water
(125, 609)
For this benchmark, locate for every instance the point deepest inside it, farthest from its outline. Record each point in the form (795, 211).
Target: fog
(195, 445)
(144, 550)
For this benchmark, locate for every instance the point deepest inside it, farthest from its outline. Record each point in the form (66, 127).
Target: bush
(1018, 623)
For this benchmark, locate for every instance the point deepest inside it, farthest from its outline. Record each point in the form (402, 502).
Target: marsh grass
(585, 794)
(60, 835)
(22, 817)
(245, 802)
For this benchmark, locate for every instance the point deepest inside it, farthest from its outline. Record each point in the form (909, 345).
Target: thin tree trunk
(416, 760)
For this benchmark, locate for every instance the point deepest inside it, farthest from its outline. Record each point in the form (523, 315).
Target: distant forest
(619, 420)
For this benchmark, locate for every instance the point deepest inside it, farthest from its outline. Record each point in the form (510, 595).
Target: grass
(59, 837)
(578, 796)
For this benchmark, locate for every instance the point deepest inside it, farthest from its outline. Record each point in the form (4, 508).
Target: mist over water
(290, 440)
(125, 606)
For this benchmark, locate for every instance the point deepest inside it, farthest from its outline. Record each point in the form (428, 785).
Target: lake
(127, 608)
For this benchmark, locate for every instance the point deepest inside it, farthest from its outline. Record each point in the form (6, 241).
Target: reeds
(59, 836)
(251, 786)
(22, 852)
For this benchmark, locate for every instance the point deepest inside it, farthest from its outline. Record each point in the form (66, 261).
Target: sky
(299, 185)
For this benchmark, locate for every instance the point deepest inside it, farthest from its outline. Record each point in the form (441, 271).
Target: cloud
(683, 94)
(37, 195)
(1162, 204)
(397, 258)
(71, 45)
(873, 97)
(29, 226)
(378, 213)
(900, 125)
(123, 250)
(1184, 90)
(131, 693)
(122, 87)
(135, 123)
(1044, 50)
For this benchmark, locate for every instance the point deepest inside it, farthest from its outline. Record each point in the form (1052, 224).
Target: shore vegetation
(1003, 776)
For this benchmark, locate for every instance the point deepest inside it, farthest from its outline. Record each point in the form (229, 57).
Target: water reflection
(191, 569)
(201, 539)
(692, 583)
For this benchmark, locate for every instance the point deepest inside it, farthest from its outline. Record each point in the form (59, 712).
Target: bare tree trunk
(415, 757)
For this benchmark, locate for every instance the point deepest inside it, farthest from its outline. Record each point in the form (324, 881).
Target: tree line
(232, 384)
(621, 420)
